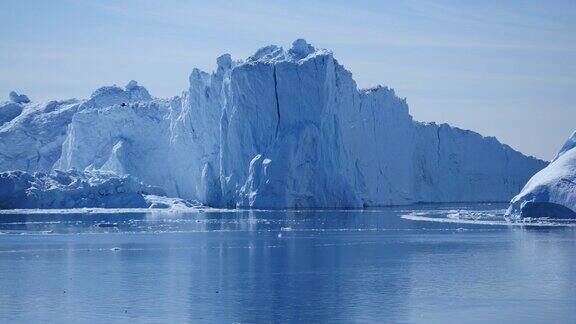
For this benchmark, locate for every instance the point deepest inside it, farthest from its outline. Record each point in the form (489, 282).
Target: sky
(501, 68)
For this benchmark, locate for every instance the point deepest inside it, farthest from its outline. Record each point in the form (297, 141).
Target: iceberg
(550, 193)
(280, 129)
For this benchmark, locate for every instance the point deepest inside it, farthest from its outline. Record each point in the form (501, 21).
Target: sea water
(410, 264)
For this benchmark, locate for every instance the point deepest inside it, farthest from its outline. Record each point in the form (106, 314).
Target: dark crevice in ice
(438, 143)
(277, 102)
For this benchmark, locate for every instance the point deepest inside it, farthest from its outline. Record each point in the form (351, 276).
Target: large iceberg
(281, 129)
(551, 192)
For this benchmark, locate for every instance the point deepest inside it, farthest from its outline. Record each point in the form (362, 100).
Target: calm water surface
(422, 264)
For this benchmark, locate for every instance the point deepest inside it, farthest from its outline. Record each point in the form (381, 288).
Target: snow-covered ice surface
(283, 128)
(551, 193)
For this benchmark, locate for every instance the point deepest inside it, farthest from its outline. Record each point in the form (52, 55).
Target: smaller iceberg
(550, 193)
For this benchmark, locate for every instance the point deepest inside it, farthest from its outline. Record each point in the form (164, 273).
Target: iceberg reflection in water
(429, 264)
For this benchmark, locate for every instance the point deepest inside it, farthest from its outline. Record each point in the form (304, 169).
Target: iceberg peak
(198, 77)
(106, 90)
(267, 54)
(132, 85)
(300, 49)
(110, 95)
(18, 98)
(568, 145)
(137, 92)
(224, 61)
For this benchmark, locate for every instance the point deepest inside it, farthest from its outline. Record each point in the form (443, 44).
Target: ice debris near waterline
(283, 128)
(75, 189)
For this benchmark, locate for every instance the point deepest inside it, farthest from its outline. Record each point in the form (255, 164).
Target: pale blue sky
(502, 68)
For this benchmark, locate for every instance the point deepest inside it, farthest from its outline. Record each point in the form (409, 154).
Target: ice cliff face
(280, 129)
(552, 191)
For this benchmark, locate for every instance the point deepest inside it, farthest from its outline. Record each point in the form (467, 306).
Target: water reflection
(291, 266)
